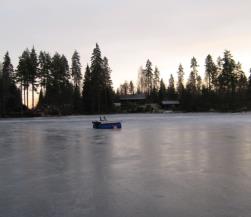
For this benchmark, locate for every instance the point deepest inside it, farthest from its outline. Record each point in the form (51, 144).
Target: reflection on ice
(157, 165)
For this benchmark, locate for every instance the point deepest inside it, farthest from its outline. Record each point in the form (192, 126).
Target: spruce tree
(97, 80)
(101, 83)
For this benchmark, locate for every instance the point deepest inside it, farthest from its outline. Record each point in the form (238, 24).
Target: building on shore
(170, 104)
(131, 103)
(138, 103)
(136, 98)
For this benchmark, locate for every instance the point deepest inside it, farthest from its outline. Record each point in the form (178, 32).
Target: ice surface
(183, 165)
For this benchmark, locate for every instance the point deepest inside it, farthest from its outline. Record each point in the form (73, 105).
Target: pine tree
(242, 82)
(141, 81)
(77, 77)
(33, 69)
(156, 78)
(76, 69)
(7, 68)
(96, 79)
(87, 91)
(149, 76)
(154, 97)
(40, 103)
(44, 74)
(162, 91)
(107, 73)
(171, 94)
(23, 75)
(7, 75)
(59, 91)
(10, 100)
(180, 84)
(198, 84)
(66, 76)
(194, 66)
(191, 83)
(101, 84)
(211, 73)
(228, 77)
(193, 78)
(107, 86)
(131, 87)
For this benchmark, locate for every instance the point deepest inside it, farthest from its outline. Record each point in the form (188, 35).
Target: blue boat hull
(112, 125)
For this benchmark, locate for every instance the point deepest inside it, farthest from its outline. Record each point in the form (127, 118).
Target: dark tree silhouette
(171, 93)
(33, 73)
(180, 84)
(87, 91)
(211, 73)
(77, 77)
(149, 77)
(10, 98)
(225, 86)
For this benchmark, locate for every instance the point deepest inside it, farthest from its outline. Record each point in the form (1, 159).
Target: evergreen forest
(42, 84)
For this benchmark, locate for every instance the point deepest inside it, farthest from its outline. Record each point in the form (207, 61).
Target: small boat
(104, 124)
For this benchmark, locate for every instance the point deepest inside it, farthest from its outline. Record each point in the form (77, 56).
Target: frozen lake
(184, 165)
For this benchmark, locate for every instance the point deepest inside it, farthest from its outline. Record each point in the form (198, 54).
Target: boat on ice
(104, 124)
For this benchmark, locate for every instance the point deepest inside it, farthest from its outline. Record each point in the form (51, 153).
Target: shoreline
(122, 113)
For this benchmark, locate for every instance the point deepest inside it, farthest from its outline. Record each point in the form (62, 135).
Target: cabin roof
(133, 97)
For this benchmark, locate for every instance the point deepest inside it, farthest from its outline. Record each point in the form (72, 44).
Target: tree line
(63, 90)
(59, 85)
(224, 87)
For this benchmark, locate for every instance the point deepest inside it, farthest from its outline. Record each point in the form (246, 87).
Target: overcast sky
(168, 32)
